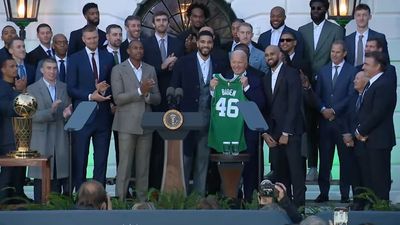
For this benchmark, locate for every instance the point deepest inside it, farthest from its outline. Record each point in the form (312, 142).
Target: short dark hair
(324, 2)
(91, 195)
(160, 13)
(88, 6)
(340, 42)
(112, 26)
(198, 6)
(379, 58)
(7, 26)
(290, 33)
(245, 24)
(3, 64)
(88, 28)
(205, 33)
(42, 25)
(131, 17)
(363, 6)
(379, 41)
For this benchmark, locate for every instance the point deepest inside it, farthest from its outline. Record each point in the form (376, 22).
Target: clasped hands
(283, 140)
(328, 114)
(101, 88)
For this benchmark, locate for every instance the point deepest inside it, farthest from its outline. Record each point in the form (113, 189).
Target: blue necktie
(61, 74)
(49, 53)
(21, 71)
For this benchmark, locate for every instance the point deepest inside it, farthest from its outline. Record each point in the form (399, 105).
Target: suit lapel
(268, 89)
(128, 70)
(309, 34)
(325, 32)
(45, 93)
(278, 82)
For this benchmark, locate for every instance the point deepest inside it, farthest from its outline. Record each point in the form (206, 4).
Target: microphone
(170, 95)
(178, 96)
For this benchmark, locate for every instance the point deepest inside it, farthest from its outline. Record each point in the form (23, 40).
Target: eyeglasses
(316, 8)
(286, 40)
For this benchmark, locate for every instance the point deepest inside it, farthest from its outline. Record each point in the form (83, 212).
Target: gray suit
(48, 135)
(321, 55)
(257, 59)
(133, 140)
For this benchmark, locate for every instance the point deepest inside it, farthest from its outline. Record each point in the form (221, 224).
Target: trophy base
(24, 154)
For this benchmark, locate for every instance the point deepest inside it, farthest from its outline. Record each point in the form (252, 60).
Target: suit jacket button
(196, 100)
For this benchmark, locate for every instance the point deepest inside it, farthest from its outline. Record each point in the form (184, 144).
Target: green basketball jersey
(226, 123)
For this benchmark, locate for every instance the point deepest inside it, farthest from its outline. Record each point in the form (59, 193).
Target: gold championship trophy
(25, 106)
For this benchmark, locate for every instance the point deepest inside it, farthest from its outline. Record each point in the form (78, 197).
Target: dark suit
(152, 56)
(37, 54)
(375, 119)
(76, 44)
(337, 98)
(265, 39)
(81, 83)
(186, 76)
(283, 114)
(13, 177)
(30, 73)
(123, 50)
(227, 47)
(350, 41)
(4, 54)
(251, 168)
(390, 74)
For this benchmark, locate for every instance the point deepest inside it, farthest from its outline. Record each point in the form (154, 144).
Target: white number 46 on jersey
(227, 108)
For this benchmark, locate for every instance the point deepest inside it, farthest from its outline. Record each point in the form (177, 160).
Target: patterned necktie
(61, 74)
(360, 51)
(335, 76)
(21, 71)
(162, 49)
(116, 59)
(94, 67)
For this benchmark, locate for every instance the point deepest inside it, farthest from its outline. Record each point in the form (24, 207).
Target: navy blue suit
(265, 39)
(81, 83)
(375, 119)
(185, 76)
(76, 44)
(10, 176)
(255, 94)
(37, 54)
(4, 54)
(350, 41)
(337, 98)
(152, 56)
(283, 114)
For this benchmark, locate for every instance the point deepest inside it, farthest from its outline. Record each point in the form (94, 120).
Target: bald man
(282, 89)
(273, 36)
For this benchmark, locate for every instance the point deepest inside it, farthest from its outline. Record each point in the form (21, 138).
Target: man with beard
(282, 88)
(161, 51)
(197, 14)
(318, 37)
(193, 73)
(91, 13)
(88, 79)
(272, 36)
(133, 28)
(7, 35)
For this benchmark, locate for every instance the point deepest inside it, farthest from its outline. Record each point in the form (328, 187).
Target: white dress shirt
(52, 89)
(158, 37)
(96, 58)
(138, 73)
(205, 66)
(111, 50)
(46, 49)
(274, 76)
(317, 32)
(276, 35)
(340, 66)
(65, 62)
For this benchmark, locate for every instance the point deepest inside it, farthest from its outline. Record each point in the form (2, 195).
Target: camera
(267, 189)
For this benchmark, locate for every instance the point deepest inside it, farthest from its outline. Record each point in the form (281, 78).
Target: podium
(230, 169)
(173, 174)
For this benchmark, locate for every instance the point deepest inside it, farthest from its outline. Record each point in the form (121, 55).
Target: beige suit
(48, 135)
(133, 140)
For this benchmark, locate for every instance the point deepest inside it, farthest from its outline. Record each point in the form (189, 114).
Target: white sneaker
(312, 174)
